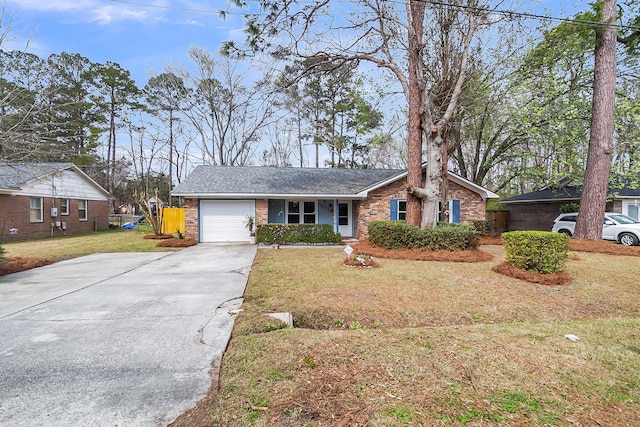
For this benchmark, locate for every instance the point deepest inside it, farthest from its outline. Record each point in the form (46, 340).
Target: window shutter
(393, 209)
(455, 211)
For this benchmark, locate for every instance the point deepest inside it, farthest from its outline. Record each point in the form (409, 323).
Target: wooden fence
(173, 221)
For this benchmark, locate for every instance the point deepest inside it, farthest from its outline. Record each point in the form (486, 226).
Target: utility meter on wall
(54, 211)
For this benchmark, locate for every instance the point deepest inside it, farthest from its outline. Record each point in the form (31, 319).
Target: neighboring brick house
(40, 200)
(537, 210)
(218, 199)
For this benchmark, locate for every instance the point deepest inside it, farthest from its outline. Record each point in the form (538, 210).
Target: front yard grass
(418, 343)
(65, 247)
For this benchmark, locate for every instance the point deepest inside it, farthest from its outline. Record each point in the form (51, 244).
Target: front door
(344, 219)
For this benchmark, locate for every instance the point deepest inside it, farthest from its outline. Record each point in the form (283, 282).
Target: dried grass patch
(491, 239)
(552, 279)
(17, 264)
(422, 254)
(177, 243)
(426, 343)
(515, 374)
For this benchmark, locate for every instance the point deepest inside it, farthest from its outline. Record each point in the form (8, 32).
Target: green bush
(569, 207)
(297, 233)
(539, 251)
(2, 258)
(398, 234)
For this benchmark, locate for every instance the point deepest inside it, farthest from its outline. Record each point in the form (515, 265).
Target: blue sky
(139, 38)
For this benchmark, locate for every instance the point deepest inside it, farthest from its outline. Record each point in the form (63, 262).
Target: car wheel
(628, 239)
(567, 232)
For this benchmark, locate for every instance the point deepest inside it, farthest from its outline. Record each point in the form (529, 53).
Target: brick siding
(262, 211)
(14, 213)
(377, 206)
(540, 215)
(191, 219)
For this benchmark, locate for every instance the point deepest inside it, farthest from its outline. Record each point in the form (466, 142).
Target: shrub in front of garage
(287, 234)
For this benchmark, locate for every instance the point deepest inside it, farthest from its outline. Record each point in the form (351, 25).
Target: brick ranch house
(218, 199)
(537, 210)
(40, 200)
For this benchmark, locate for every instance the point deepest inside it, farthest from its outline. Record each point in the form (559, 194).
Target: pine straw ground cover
(420, 343)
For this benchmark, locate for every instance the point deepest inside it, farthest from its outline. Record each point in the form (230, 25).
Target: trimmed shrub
(297, 233)
(398, 234)
(538, 251)
(2, 258)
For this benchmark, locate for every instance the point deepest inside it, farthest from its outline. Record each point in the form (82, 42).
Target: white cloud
(53, 5)
(87, 10)
(111, 13)
(192, 22)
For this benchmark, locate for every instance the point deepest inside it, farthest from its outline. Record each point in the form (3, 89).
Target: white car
(616, 227)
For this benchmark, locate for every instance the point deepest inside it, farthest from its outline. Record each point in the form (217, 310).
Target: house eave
(627, 197)
(564, 199)
(235, 196)
(7, 190)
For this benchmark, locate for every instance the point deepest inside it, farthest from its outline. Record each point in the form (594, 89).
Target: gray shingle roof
(572, 192)
(13, 175)
(259, 180)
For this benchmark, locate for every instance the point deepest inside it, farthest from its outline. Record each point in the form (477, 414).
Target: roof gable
(17, 178)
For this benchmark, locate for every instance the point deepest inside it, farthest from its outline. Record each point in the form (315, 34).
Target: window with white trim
(83, 207)
(35, 209)
(398, 210)
(631, 208)
(301, 212)
(402, 210)
(64, 206)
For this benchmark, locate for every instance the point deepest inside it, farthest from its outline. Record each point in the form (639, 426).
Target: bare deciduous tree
(401, 38)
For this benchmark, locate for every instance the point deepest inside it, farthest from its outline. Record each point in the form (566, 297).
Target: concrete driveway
(116, 339)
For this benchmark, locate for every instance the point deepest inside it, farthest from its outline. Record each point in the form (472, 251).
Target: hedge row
(297, 233)
(398, 234)
(539, 251)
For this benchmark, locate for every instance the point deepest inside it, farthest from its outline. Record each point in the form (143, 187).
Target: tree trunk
(434, 179)
(596, 179)
(444, 185)
(416, 14)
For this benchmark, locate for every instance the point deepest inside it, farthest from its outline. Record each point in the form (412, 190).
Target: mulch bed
(586, 245)
(158, 236)
(364, 247)
(177, 243)
(604, 247)
(367, 262)
(552, 279)
(17, 264)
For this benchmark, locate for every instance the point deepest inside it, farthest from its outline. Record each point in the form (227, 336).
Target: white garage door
(224, 220)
